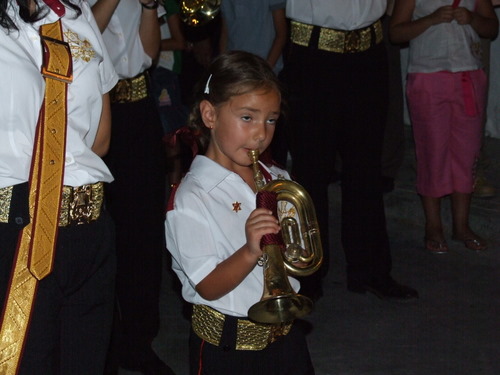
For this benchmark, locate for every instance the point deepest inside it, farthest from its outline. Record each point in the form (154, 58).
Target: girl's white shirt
(22, 92)
(446, 46)
(207, 225)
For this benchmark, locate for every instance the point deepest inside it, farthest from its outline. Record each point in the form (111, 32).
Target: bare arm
(223, 36)
(484, 20)
(103, 136)
(176, 41)
(202, 51)
(149, 31)
(103, 10)
(402, 29)
(280, 28)
(232, 271)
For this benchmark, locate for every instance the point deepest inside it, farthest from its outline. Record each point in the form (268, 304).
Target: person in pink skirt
(446, 92)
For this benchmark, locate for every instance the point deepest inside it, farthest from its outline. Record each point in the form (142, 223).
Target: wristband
(151, 5)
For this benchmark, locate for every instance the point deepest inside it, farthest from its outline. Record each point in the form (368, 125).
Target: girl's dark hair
(24, 12)
(232, 73)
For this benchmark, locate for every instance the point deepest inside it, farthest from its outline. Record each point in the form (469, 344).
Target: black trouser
(71, 321)
(394, 137)
(136, 201)
(288, 355)
(338, 103)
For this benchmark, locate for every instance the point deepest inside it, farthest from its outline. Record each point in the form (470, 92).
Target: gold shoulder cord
(35, 252)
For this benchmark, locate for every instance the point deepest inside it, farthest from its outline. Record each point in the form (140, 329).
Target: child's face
(243, 123)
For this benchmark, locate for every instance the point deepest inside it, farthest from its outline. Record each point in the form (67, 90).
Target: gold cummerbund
(208, 324)
(339, 41)
(130, 89)
(79, 205)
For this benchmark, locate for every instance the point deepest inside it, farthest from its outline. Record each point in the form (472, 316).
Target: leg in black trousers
(338, 102)
(70, 324)
(136, 200)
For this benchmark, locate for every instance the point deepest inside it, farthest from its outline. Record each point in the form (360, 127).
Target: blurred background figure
(136, 199)
(259, 27)
(165, 84)
(57, 259)
(446, 92)
(336, 73)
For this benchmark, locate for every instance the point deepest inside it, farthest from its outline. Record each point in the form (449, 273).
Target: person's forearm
(103, 10)
(103, 136)
(172, 45)
(227, 275)
(275, 52)
(223, 37)
(405, 31)
(280, 38)
(176, 42)
(485, 27)
(149, 32)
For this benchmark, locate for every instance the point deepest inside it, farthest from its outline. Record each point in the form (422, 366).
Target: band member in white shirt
(68, 310)
(336, 73)
(136, 199)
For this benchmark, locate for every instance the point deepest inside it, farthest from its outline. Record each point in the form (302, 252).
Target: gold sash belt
(130, 89)
(208, 325)
(79, 205)
(35, 251)
(339, 41)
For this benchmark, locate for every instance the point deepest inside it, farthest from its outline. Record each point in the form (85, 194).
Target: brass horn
(301, 255)
(199, 12)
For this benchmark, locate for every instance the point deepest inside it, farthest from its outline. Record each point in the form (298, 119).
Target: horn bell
(279, 302)
(299, 254)
(199, 12)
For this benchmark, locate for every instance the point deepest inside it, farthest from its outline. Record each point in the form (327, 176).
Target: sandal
(476, 244)
(436, 247)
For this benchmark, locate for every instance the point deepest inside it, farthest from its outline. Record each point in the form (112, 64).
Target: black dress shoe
(388, 289)
(152, 366)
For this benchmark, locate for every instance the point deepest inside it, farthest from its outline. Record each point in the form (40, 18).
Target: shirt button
(19, 220)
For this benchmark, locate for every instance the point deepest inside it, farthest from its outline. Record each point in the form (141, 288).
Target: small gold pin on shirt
(236, 206)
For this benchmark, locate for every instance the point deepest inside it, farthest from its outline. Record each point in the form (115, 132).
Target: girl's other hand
(442, 15)
(462, 15)
(260, 222)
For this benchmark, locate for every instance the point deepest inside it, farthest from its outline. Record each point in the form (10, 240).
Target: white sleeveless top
(446, 46)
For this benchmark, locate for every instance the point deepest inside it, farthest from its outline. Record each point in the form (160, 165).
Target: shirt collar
(217, 173)
(201, 164)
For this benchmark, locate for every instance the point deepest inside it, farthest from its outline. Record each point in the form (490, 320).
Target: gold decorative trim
(35, 251)
(5, 199)
(339, 41)
(208, 324)
(79, 205)
(82, 204)
(130, 89)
